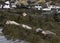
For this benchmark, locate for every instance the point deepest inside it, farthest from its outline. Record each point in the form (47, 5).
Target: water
(4, 40)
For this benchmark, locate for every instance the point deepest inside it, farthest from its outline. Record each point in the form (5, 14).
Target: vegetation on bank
(34, 19)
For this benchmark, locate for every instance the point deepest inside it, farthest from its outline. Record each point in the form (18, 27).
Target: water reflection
(4, 40)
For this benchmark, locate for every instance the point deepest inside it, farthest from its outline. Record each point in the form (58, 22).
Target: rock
(48, 33)
(38, 30)
(24, 14)
(26, 26)
(12, 22)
